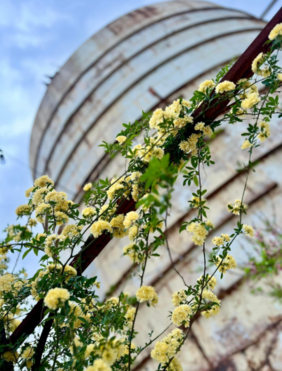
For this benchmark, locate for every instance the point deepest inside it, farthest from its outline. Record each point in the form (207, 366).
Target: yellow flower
(246, 144)
(129, 316)
(181, 315)
(56, 296)
(132, 253)
(28, 353)
(207, 131)
(133, 232)
(277, 30)
(89, 349)
(23, 210)
(147, 293)
(39, 195)
(10, 356)
(200, 126)
(279, 76)
(40, 210)
(257, 68)
(250, 101)
(178, 297)
(61, 217)
(208, 295)
(218, 241)
(32, 222)
(88, 212)
(157, 118)
(55, 196)
(43, 181)
(99, 365)
(226, 237)
(225, 86)
(206, 84)
(159, 353)
(211, 281)
(130, 218)
(99, 227)
(28, 192)
(175, 365)
(72, 230)
(121, 139)
(199, 232)
(249, 230)
(87, 187)
(224, 264)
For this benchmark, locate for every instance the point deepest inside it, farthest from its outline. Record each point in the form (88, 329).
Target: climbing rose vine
(91, 334)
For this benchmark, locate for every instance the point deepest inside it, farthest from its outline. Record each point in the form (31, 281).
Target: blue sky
(36, 38)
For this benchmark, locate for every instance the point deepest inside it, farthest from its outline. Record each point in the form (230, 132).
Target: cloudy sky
(36, 39)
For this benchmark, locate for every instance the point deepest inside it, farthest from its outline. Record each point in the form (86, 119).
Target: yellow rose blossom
(250, 101)
(43, 181)
(276, 31)
(133, 231)
(87, 187)
(130, 218)
(29, 191)
(237, 207)
(215, 309)
(121, 139)
(99, 227)
(28, 353)
(10, 356)
(32, 222)
(55, 196)
(246, 144)
(23, 210)
(206, 84)
(224, 264)
(210, 281)
(40, 210)
(56, 296)
(218, 241)
(178, 297)
(147, 293)
(61, 217)
(257, 68)
(88, 212)
(99, 365)
(226, 237)
(132, 253)
(72, 230)
(181, 315)
(225, 86)
(199, 126)
(249, 230)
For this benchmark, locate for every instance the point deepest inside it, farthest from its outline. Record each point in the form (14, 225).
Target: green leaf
(196, 180)
(25, 254)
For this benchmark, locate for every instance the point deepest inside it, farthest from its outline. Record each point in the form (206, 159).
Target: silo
(142, 61)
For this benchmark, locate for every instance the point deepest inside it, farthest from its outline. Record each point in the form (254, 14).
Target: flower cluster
(181, 315)
(147, 294)
(237, 208)
(55, 297)
(166, 349)
(199, 231)
(213, 302)
(226, 263)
